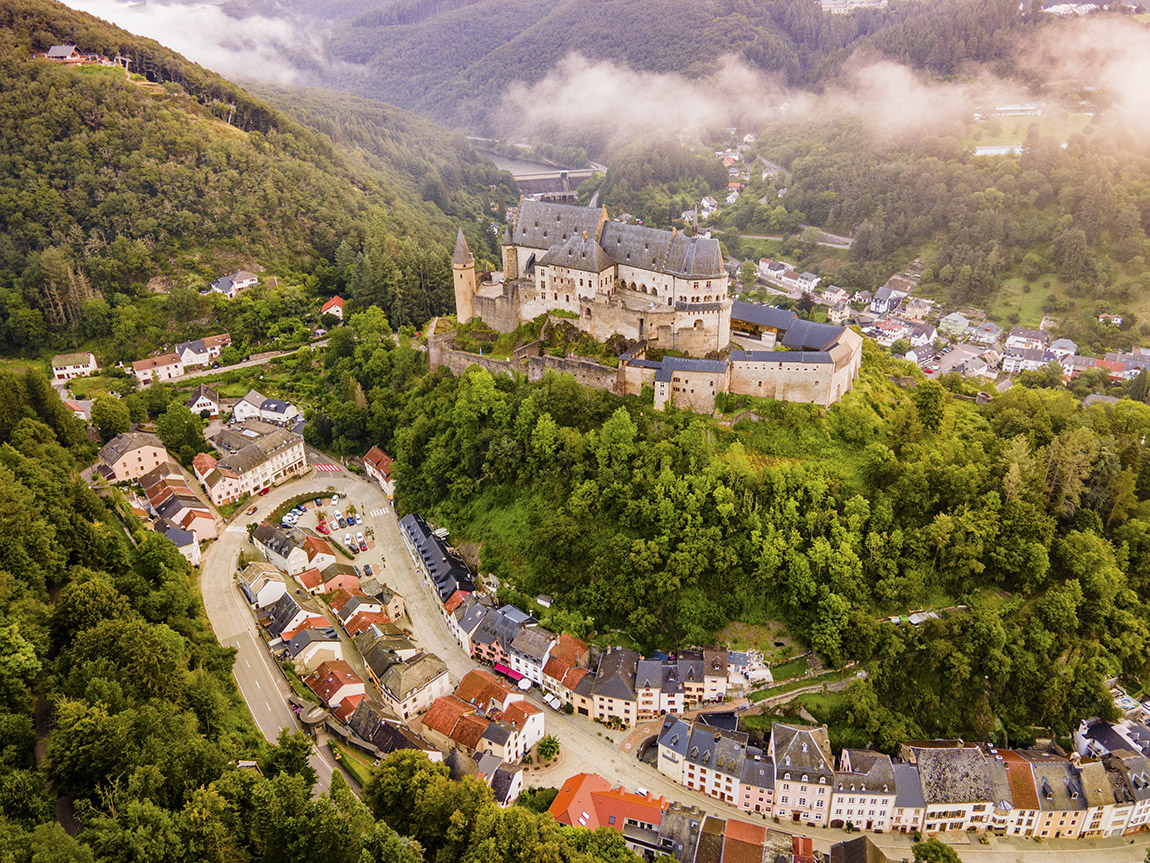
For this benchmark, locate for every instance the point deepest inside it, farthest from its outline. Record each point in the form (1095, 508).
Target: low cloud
(250, 47)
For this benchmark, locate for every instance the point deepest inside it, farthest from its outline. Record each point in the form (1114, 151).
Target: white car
(334, 499)
(348, 542)
(358, 518)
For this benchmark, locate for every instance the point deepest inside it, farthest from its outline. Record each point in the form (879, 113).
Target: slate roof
(616, 675)
(718, 750)
(532, 642)
(670, 365)
(61, 52)
(871, 773)
(306, 637)
(542, 225)
(907, 787)
(680, 831)
(181, 538)
(447, 570)
(802, 750)
(203, 391)
(674, 734)
(812, 336)
(502, 781)
(462, 254)
(758, 769)
(501, 625)
(369, 724)
(578, 253)
(764, 316)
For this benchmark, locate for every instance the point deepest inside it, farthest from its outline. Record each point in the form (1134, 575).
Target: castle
(641, 283)
(661, 289)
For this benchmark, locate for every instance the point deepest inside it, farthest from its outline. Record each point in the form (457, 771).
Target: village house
(261, 583)
(954, 324)
(804, 773)
(529, 650)
(201, 352)
(254, 406)
(280, 549)
(311, 647)
(232, 284)
(171, 499)
(166, 367)
(130, 455)
(204, 399)
(369, 724)
(864, 791)
(491, 640)
(588, 800)
(613, 692)
(986, 333)
(334, 681)
(333, 307)
(183, 540)
(68, 366)
(377, 465)
(1021, 338)
(886, 299)
(409, 688)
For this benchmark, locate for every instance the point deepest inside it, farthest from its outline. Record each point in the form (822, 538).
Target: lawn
(355, 763)
(794, 668)
(1013, 297)
(229, 509)
(298, 685)
(821, 706)
(1001, 131)
(96, 385)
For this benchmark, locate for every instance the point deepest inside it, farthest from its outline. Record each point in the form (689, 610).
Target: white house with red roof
(333, 681)
(377, 465)
(334, 306)
(165, 367)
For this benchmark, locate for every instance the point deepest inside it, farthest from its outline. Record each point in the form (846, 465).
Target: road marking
(256, 682)
(377, 512)
(248, 664)
(236, 528)
(330, 468)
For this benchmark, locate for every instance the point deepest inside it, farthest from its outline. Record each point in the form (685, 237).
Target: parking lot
(322, 520)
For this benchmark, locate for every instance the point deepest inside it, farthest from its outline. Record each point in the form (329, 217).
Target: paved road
(587, 747)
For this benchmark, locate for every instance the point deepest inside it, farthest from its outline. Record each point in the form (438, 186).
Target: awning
(503, 669)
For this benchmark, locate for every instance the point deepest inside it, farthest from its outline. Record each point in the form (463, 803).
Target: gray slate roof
(462, 254)
(124, 443)
(578, 253)
(781, 357)
(907, 787)
(764, 316)
(953, 775)
(616, 675)
(758, 769)
(812, 336)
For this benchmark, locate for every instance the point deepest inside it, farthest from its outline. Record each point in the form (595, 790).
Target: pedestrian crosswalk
(329, 468)
(236, 528)
(378, 512)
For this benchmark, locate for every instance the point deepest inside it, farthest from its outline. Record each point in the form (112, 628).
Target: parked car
(358, 571)
(359, 518)
(362, 542)
(264, 490)
(334, 499)
(343, 522)
(252, 509)
(367, 570)
(318, 503)
(323, 528)
(349, 543)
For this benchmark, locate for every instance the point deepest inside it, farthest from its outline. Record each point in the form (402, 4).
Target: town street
(586, 746)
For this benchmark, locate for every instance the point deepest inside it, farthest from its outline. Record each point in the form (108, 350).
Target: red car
(264, 490)
(322, 528)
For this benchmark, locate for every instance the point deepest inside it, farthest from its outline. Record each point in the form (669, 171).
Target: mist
(237, 48)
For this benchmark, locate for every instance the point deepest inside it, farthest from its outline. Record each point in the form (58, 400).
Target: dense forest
(108, 184)
(1024, 516)
(454, 59)
(120, 713)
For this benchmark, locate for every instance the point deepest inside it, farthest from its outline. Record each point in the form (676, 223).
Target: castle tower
(463, 272)
(510, 258)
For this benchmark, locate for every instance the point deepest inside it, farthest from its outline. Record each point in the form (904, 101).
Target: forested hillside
(454, 59)
(1026, 517)
(119, 709)
(108, 182)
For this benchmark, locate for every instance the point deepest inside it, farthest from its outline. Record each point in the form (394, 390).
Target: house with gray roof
(311, 647)
(409, 688)
(529, 651)
(674, 735)
(613, 693)
(370, 725)
(441, 566)
(804, 773)
(864, 790)
(280, 549)
(909, 803)
(757, 784)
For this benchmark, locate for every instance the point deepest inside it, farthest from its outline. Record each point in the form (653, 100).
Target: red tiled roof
(339, 599)
(155, 362)
(379, 460)
(1022, 788)
(803, 849)
(454, 601)
(347, 707)
(445, 713)
(313, 545)
(738, 851)
(469, 730)
(203, 462)
(308, 623)
(334, 301)
(571, 678)
(361, 620)
(223, 340)
(623, 805)
(330, 677)
(746, 832)
(574, 798)
(570, 650)
(310, 578)
(556, 669)
(481, 688)
(517, 713)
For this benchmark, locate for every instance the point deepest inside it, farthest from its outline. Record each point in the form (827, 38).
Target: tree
(110, 416)
(548, 747)
(748, 276)
(900, 347)
(932, 851)
(290, 755)
(181, 431)
(929, 399)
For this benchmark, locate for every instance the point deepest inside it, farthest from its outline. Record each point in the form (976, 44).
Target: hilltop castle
(641, 283)
(662, 289)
